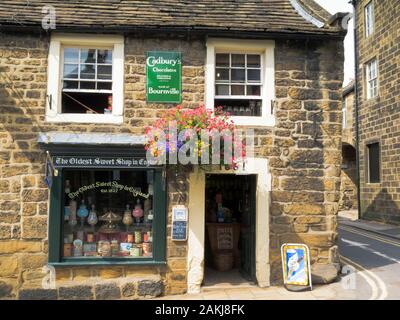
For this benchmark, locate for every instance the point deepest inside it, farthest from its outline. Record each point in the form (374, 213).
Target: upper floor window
(369, 19)
(240, 79)
(372, 79)
(238, 83)
(85, 82)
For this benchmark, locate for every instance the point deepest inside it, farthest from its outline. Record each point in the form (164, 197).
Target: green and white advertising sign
(164, 77)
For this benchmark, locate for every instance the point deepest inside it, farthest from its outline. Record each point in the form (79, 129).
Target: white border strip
(300, 10)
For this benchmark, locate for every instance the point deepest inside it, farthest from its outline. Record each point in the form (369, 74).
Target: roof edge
(308, 15)
(259, 34)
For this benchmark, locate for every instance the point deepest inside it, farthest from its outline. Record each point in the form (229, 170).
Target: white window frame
(369, 19)
(266, 48)
(55, 77)
(372, 79)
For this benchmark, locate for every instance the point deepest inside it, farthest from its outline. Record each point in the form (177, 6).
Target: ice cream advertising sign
(164, 77)
(296, 265)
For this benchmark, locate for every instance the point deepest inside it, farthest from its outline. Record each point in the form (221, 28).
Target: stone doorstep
(99, 289)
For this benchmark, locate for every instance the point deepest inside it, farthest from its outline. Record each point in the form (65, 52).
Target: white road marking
(364, 273)
(379, 281)
(367, 275)
(354, 243)
(366, 247)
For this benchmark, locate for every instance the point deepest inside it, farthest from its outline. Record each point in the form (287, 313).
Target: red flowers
(191, 126)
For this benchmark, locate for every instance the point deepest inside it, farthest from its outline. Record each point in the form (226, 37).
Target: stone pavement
(380, 228)
(333, 291)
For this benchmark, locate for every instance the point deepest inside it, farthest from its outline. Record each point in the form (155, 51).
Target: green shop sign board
(164, 77)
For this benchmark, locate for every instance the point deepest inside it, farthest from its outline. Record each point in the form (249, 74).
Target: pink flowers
(198, 128)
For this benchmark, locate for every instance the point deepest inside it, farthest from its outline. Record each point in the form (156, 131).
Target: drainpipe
(356, 105)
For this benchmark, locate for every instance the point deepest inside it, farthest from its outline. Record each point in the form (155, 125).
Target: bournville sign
(98, 162)
(164, 77)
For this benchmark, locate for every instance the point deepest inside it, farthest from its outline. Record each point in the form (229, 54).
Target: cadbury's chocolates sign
(164, 77)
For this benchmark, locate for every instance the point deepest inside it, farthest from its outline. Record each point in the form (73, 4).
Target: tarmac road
(379, 258)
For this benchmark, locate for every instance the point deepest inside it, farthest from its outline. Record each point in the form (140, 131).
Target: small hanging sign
(50, 171)
(296, 266)
(179, 223)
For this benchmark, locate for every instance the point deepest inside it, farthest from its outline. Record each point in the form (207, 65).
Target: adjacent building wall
(379, 118)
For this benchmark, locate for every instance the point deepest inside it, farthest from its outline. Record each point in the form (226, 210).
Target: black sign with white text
(98, 162)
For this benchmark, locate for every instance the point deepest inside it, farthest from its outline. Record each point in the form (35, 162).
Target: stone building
(378, 91)
(348, 189)
(74, 106)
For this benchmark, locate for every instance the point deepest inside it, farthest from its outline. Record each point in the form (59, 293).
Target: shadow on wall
(382, 208)
(19, 117)
(348, 183)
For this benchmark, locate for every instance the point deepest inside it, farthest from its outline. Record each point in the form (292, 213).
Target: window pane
(104, 85)
(104, 56)
(373, 70)
(70, 85)
(222, 60)
(104, 72)
(253, 75)
(88, 85)
(238, 60)
(71, 55)
(253, 61)
(374, 163)
(238, 75)
(253, 90)
(240, 107)
(369, 19)
(237, 90)
(222, 90)
(111, 218)
(87, 71)
(71, 71)
(88, 55)
(84, 102)
(222, 74)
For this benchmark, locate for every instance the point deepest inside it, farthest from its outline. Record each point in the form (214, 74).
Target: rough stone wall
(305, 156)
(24, 195)
(379, 118)
(348, 187)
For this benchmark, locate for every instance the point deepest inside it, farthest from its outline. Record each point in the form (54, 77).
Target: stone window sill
(268, 121)
(107, 263)
(85, 118)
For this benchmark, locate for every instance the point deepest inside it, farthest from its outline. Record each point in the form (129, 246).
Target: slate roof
(255, 16)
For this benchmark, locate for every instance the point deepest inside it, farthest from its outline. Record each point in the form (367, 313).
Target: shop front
(107, 207)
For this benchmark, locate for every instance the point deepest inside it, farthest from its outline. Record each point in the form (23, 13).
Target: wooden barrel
(223, 260)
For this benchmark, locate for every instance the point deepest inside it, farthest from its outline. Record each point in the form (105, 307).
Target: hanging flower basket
(195, 137)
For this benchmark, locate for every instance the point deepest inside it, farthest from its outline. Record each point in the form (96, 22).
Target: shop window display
(108, 214)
